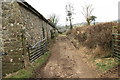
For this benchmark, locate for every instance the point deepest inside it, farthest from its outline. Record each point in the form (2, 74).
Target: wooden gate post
(25, 50)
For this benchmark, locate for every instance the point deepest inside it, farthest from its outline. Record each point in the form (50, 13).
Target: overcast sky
(105, 10)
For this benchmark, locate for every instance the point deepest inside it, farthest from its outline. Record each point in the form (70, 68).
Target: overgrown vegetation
(96, 41)
(97, 37)
(105, 64)
(27, 73)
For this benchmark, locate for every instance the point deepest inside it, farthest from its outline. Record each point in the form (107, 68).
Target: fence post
(25, 50)
(112, 45)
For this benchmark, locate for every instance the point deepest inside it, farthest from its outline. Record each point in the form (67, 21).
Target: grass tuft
(105, 64)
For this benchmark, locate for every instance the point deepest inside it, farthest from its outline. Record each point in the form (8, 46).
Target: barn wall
(11, 30)
(1, 40)
(48, 31)
(20, 27)
(47, 28)
(32, 25)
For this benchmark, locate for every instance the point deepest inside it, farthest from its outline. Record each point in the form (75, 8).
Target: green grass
(104, 64)
(27, 73)
(23, 73)
(63, 34)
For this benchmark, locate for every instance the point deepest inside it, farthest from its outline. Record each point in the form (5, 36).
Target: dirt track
(65, 62)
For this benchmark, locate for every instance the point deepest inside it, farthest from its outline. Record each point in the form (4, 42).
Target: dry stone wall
(20, 27)
(32, 25)
(1, 41)
(11, 31)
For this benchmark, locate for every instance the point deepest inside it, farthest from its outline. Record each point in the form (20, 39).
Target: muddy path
(65, 62)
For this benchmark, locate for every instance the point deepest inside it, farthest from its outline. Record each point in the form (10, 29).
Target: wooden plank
(117, 52)
(37, 50)
(39, 47)
(32, 52)
(116, 56)
(116, 40)
(39, 42)
(116, 49)
(35, 58)
(38, 53)
(116, 46)
(116, 34)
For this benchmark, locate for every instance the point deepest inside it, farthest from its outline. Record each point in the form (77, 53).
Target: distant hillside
(83, 24)
(61, 28)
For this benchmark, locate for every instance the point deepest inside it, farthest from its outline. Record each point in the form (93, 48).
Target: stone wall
(32, 25)
(20, 27)
(11, 30)
(1, 40)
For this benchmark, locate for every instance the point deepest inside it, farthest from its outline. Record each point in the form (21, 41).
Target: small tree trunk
(71, 27)
(94, 22)
(88, 21)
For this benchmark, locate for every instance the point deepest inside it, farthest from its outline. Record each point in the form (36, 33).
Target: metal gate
(116, 45)
(37, 50)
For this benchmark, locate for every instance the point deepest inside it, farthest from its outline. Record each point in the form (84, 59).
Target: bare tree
(87, 13)
(69, 12)
(54, 19)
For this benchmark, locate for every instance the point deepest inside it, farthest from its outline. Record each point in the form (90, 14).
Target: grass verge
(27, 73)
(105, 64)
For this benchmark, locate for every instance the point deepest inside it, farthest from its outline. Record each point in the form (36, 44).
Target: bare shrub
(97, 37)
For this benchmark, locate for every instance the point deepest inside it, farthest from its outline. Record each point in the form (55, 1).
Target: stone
(11, 60)
(11, 25)
(11, 50)
(18, 25)
(4, 28)
(5, 6)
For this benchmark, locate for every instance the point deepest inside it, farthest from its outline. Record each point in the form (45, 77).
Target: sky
(104, 10)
